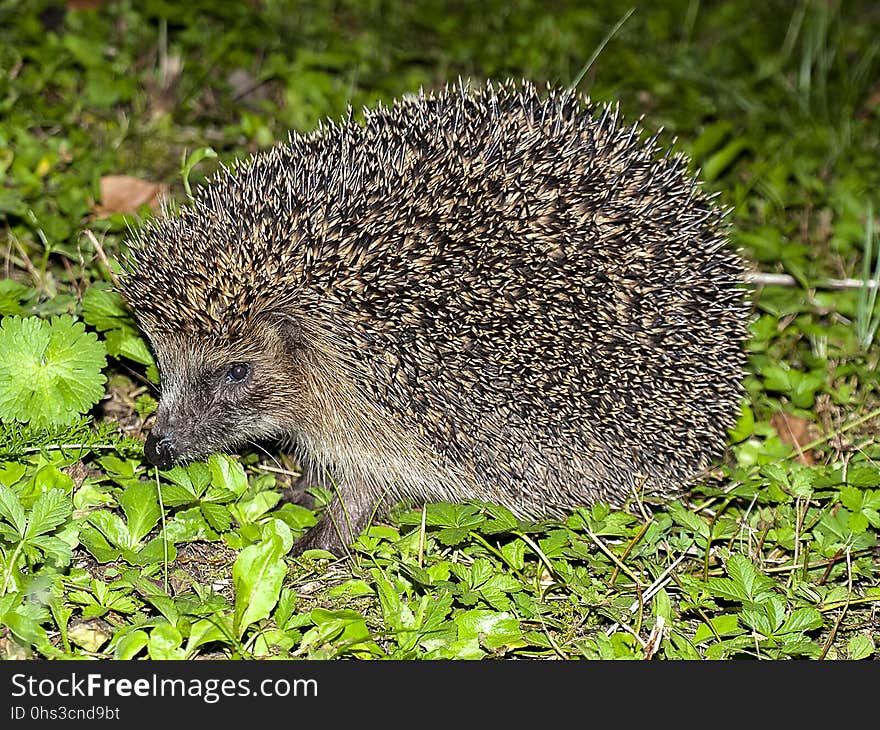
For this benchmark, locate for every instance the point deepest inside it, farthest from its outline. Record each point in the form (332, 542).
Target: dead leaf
(652, 645)
(77, 471)
(797, 432)
(89, 634)
(11, 649)
(125, 194)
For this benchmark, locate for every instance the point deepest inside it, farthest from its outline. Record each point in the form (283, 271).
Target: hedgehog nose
(160, 450)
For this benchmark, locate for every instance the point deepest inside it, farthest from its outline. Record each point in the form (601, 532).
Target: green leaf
(860, 647)
(204, 631)
(96, 543)
(286, 606)
(250, 510)
(795, 645)
(54, 549)
(858, 523)
(278, 528)
(131, 644)
(766, 618)
(158, 598)
(165, 641)
(802, 619)
(514, 553)
(741, 571)
(50, 510)
(104, 309)
(295, 516)
(81, 49)
(712, 136)
(121, 471)
(724, 158)
(663, 605)
(777, 378)
(863, 475)
(189, 525)
(12, 511)
(11, 291)
(346, 628)
(453, 535)
(745, 425)
(467, 648)
(228, 480)
(154, 551)
(433, 610)
(556, 542)
(112, 527)
(726, 624)
(127, 343)
(25, 626)
(174, 495)
(727, 588)
(50, 372)
(50, 477)
(258, 573)
(851, 498)
(141, 508)
(443, 514)
(688, 519)
(193, 479)
(11, 472)
(756, 586)
(492, 629)
(217, 516)
(802, 482)
(396, 614)
(188, 163)
(495, 595)
(352, 588)
(503, 520)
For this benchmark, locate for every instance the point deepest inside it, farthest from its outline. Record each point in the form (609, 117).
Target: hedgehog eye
(238, 372)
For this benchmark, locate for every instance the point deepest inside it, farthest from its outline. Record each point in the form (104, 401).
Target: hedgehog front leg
(343, 520)
(345, 517)
(338, 527)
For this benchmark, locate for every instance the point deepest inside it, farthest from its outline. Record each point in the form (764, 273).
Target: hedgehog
(484, 294)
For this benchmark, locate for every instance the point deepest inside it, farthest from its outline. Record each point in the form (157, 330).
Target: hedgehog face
(220, 397)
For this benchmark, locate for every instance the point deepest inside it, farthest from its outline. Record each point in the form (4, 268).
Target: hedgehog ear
(290, 330)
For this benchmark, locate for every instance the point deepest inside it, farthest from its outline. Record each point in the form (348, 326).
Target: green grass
(774, 555)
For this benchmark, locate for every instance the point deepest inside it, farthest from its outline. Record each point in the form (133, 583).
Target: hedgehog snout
(160, 450)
